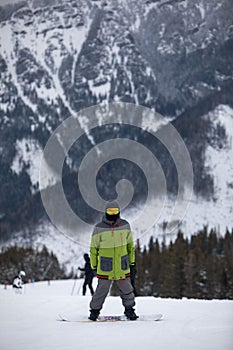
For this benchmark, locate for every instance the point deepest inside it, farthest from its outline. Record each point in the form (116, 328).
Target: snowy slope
(28, 321)
(67, 251)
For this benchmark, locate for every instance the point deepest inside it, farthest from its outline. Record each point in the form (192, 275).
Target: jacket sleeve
(17, 282)
(130, 248)
(94, 250)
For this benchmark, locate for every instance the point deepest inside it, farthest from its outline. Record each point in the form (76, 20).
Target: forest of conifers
(198, 267)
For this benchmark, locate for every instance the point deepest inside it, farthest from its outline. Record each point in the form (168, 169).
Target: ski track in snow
(29, 321)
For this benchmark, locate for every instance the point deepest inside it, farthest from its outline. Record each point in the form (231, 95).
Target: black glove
(133, 271)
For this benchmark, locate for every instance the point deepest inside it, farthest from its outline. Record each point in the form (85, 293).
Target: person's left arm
(130, 247)
(81, 268)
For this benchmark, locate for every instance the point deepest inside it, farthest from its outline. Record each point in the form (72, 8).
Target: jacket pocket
(125, 262)
(105, 263)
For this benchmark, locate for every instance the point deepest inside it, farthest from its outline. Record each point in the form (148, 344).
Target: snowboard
(111, 318)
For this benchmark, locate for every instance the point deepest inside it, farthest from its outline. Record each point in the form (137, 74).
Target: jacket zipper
(112, 229)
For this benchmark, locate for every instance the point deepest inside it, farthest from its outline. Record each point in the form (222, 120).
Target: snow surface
(29, 321)
(201, 8)
(221, 163)
(34, 37)
(29, 152)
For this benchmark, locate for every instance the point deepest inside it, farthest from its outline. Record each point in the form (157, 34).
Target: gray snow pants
(126, 293)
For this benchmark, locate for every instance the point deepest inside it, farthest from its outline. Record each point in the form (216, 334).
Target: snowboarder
(112, 255)
(18, 282)
(89, 274)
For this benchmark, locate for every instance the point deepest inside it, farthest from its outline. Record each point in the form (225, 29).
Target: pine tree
(166, 276)
(179, 256)
(139, 281)
(155, 268)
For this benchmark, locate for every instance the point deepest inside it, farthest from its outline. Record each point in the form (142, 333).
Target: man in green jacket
(113, 257)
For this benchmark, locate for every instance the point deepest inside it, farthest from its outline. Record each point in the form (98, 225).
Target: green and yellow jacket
(112, 249)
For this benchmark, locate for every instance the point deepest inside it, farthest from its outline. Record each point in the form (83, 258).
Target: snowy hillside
(214, 213)
(29, 321)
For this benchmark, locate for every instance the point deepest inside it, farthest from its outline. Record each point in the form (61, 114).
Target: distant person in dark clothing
(133, 273)
(89, 274)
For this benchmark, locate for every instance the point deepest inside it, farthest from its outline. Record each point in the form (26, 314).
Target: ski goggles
(112, 211)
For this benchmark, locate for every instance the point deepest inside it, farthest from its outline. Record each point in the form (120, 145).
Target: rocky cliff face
(58, 56)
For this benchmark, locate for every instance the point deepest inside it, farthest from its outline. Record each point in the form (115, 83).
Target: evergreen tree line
(38, 265)
(199, 267)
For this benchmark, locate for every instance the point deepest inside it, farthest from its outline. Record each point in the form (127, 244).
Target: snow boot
(94, 314)
(130, 314)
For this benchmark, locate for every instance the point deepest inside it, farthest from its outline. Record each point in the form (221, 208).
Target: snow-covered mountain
(66, 55)
(59, 56)
(214, 212)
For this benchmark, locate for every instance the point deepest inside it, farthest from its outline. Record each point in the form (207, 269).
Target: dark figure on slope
(89, 274)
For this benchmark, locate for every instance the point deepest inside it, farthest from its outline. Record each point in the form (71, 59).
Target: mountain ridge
(58, 57)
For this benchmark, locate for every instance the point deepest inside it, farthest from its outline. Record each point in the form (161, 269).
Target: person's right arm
(94, 250)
